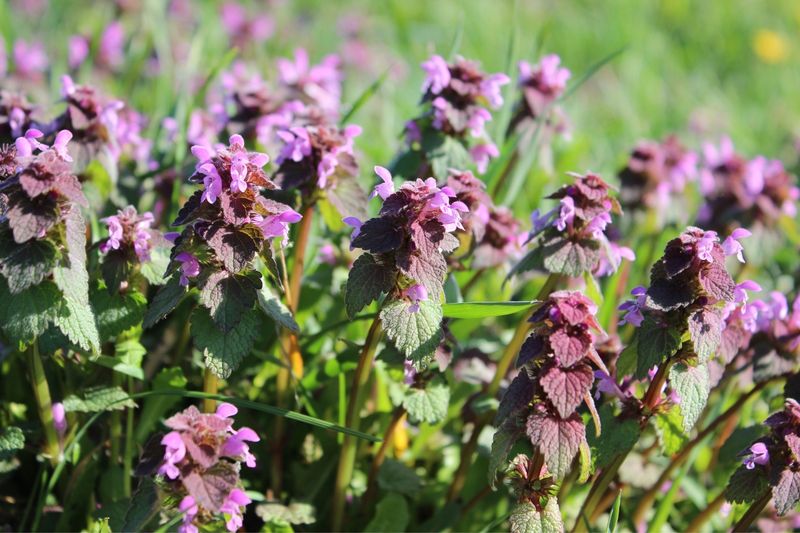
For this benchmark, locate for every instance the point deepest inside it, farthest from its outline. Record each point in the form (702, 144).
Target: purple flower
(297, 147)
(540, 222)
(732, 246)
(189, 509)
(60, 144)
(548, 77)
(78, 50)
(30, 59)
(416, 293)
(277, 225)
(59, 418)
(236, 445)
(740, 291)
(409, 372)
(437, 75)
(384, 189)
(633, 308)
(759, 455)
(327, 253)
(481, 153)
(174, 452)
(354, 223)
(321, 83)
(705, 246)
(190, 267)
(566, 214)
(490, 88)
(233, 505)
(226, 410)
(115, 234)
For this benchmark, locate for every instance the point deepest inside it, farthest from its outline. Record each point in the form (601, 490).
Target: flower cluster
(738, 192)
(16, 115)
(200, 467)
(532, 483)
(772, 463)
(495, 232)
(690, 292)
(656, 173)
(460, 96)
(571, 239)
(101, 123)
(541, 85)
(412, 232)
(555, 377)
(318, 85)
(321, 157)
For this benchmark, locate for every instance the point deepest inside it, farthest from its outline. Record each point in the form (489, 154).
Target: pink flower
(732, 246)
(740, 291)
(233, 505)
(566, 214)
(490, 88)
(189, 509)
(705, 246)
(548, 77)
(482, 153)
(212, 182)
(30, 59)
(59, 418)
(384, 189)
(78, 50)
(409, 372)
(327, 254)
(278, 225)
(236, 446)
(226, 410)
(174, 452)
(759, 455)
(437, 75)
(115, 234)
(633, 308)
(540, 222)
(416, 293)
(297, 147)
(60, 144)
(477, 121)
(112, 42)
(190, 267)
(354, 223)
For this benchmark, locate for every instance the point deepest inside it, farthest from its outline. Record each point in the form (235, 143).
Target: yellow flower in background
(770, 46)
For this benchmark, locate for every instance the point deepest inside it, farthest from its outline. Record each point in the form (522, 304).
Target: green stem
(347, 456)
(116, 426)
(398, 418)
(705, 515)
(596, 493)
(506, 359)
(41, 394)
(210, 386)
(129, 446)
(753, 511)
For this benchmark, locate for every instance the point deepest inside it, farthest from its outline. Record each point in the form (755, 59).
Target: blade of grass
(590, 72)
(365, 96)
(613, 519)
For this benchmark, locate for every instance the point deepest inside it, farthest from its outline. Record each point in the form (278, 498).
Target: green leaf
(669, 427)
(296, 513)
(746, 486)
(656, 342)
(99, 399)
(613, 518)
(691, 384)
(144, 506)
(117, 312)
(526, 519)
(618, 437)
(275, 309)
(76, 321)
(483, 309)
(229, 296)
(629, 358)
(12, 439)
(450, 153)
(391, 514)
(26, 315)
(416, 335)
(502, 442)
(154, 269)
(223, 351)
(394, 476)
(24, 265)
(165, 300)
(428, 404)
(367, 280)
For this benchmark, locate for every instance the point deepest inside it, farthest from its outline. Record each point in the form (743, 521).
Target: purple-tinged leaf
(566, 387)
(717, 283)
(562, 256)
(368, 279)
(24, 265)
(530, 349)
(666, 295)
(557, 439)
(793, 442)
(786, 493)
(570, 345)
(210, 489)
(517, 396)
(234, 246)
(705, 329)
(31, 218)
(379, 235)
(229, 296)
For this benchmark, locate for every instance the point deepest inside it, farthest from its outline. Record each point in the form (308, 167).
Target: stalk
(41, 394)
(510, 352)
(304, 231)
(127, 464)
(398, 418)
(596, 493)
(753, 511)
(647, 499)
(705, 515)
(347, 456)
(116, 426)
(210, 386)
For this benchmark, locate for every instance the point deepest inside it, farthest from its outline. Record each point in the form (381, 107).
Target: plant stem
(41, 393)
(653, 394)
(398, 418)
(301, 243)
(210, 386)
(705, 515)
(129, 446)
(647, 499)
(596, 493)
(506, 359)
(347, 456)
(116, 427)
(752, 513)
